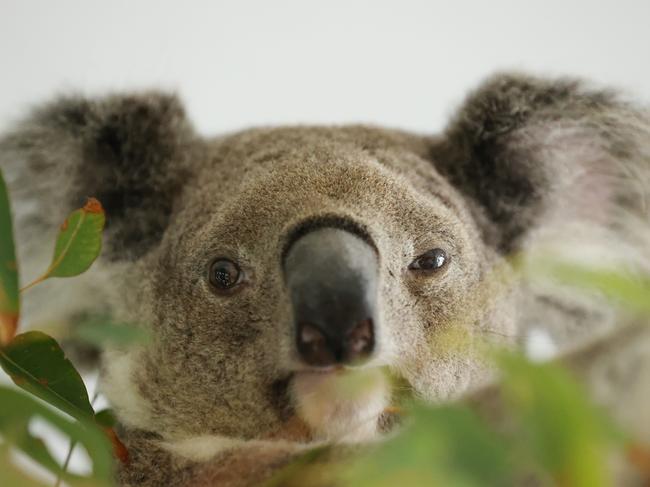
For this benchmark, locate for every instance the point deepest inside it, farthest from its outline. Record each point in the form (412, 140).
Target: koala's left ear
(128, 151)
(514, 140)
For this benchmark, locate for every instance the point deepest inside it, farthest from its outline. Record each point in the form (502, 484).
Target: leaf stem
(59, 477)
(73, 443)
(33, 283)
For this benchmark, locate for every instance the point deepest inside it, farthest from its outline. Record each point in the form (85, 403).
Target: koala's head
(289, 257)
(271, 264)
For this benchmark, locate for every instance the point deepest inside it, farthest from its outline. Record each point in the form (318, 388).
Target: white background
(401, 63)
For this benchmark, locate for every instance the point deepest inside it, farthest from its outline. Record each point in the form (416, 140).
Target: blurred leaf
(402, 392)
(105, 418)
(18, 434)
(11, 475)
(565, 433)
(100, 331)
(119, 449)
(36, 362)
(78, 244)
(9, 298)
(18, 409)
(307, 470)
(443, 446)
(639, 457)
(625, 288)
(15, 430)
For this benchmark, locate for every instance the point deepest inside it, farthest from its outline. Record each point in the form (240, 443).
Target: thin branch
(73, 444)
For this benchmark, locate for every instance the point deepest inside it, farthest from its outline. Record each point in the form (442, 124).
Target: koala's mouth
(340, 404)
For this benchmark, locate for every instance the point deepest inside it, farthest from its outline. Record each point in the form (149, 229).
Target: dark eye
(224, 274)
(432, 260)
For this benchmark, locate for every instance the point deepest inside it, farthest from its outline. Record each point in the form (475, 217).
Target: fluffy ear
(128, 151)
(517, 138)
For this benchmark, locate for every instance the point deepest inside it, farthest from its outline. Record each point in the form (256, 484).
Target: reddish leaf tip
(93, 206)
(639, 456)
(119, 450)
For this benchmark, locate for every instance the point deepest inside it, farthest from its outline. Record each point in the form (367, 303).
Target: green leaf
(17, 433)
(11, 475)
(565, 433)
(79, 241)
(18, 409)
(9, 299)
(36, 362)
(446, 445)
(622, 287)
(305, 471)
(78, 244)
(106, 418)
(101, 330)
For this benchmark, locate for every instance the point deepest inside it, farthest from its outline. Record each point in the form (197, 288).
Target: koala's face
(273, 266)
(295, 258)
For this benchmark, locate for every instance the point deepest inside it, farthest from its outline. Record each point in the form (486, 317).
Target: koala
(274, 267)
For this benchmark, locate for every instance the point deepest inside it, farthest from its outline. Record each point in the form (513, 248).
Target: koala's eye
(432, 260)
(224, 274)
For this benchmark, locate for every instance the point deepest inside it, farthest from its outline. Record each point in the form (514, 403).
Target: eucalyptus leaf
(445, 445)
(79, 241)
(620, 286)
(102, 331)
(106, 418)
(78, 244)
(11, 475)
(565, 433)
(18, 408)
(9, 298)
(36, 362)
(15, 430)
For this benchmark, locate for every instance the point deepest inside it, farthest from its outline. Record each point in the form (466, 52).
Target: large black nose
(331, 276)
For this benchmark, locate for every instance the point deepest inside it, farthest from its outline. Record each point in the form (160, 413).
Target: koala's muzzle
(331, 276)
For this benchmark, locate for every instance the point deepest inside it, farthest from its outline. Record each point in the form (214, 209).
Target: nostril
(318, 349)
(360, 340)
(311, 336)
(313, 346)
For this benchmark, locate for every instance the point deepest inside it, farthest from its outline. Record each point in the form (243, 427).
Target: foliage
(629, 290)
(36, 363)
(19, 409)
(78, 244)
(100, 330)
(9, 299)
(447, 445)
(556, 425)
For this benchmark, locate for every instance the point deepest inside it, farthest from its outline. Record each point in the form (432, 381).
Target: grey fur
(526, 162)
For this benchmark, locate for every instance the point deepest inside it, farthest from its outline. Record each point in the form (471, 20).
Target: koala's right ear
(128, 151)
